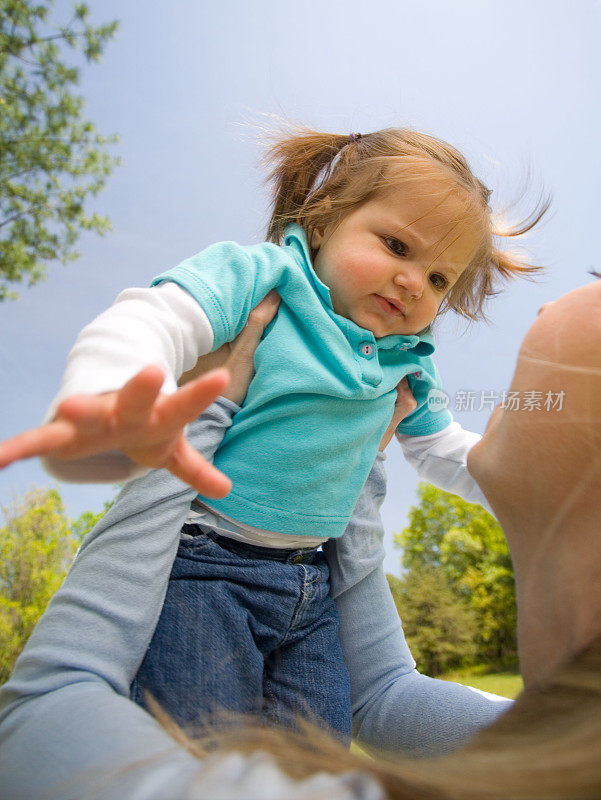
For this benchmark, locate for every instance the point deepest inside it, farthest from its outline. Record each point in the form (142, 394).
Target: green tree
(86, 521)
(37, 545)
(439, 626)
(465, 544)
(51, 157)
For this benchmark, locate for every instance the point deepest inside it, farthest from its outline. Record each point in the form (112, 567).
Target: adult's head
(539, 463)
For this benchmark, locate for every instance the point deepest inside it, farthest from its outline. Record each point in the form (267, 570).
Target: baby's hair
(317, 178)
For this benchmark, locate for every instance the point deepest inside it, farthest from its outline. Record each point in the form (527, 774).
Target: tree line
(38, 542)
(456, 597)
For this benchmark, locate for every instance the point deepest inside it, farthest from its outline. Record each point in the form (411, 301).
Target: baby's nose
(411, 280)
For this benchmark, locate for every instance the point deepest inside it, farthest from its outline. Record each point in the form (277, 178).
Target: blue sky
(514, 85)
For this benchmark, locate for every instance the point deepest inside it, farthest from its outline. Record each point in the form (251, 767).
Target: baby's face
(390, 263)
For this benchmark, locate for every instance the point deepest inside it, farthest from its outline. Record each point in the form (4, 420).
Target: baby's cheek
(357, 274)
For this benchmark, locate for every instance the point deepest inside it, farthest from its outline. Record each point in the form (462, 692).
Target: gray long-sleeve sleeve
(66, 705)
(395, 708)
(67, 727)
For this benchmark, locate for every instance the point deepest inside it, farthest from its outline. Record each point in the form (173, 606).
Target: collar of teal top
(422, 344)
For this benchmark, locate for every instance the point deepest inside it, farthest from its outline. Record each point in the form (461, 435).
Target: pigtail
(508, 264)
(299, 163)
(492, 264)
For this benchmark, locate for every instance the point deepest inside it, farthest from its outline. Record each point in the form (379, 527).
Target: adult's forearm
(66, 706)
(394, 707)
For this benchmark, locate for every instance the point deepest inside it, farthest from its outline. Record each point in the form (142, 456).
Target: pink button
(366, 349)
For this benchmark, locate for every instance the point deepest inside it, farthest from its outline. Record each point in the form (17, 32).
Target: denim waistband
(299, 555)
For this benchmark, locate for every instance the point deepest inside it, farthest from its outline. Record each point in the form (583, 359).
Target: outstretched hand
(145, 425)
(137, 420)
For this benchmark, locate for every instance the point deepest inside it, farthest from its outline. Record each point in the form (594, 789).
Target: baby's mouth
(391, 306)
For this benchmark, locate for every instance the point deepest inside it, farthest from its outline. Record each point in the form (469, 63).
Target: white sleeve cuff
(441, 458)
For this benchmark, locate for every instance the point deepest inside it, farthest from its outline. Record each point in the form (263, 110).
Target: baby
(371, 237)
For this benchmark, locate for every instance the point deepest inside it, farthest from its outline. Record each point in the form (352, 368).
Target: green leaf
(466, 548)
(52, 159)
(37, 545)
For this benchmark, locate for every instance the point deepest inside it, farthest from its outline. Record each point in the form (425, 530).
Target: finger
(405, 403)
(242, 355)
(258, 319)
(135, 400)
(388, 434)
(265, 311)
(207, 363)
(190, 401)
(40, 441)
(241, 364)
(88, 411)
(189, 466)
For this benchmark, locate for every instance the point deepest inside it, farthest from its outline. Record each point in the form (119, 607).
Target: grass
(507, 684)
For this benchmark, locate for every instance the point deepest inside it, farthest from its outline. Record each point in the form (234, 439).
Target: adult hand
(238, 356)
(145, 425)
(405, 404)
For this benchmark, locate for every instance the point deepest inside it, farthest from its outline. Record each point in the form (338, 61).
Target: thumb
(245, 344)
(405, 402)
(404, 405)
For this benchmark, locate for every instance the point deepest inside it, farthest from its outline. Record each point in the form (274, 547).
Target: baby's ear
(320, 231)
(317, 237)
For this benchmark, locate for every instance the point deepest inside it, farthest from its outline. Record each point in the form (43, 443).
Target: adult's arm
(395, 708)
(67, 727)
(66, 723)
(66, 720)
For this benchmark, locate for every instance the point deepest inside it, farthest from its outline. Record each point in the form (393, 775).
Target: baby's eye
(438, 281)
(398, 248)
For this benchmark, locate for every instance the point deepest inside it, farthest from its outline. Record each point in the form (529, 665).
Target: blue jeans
(247, 629)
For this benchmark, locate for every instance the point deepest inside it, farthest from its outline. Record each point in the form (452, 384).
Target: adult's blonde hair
(317, 178)
(546, 747)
